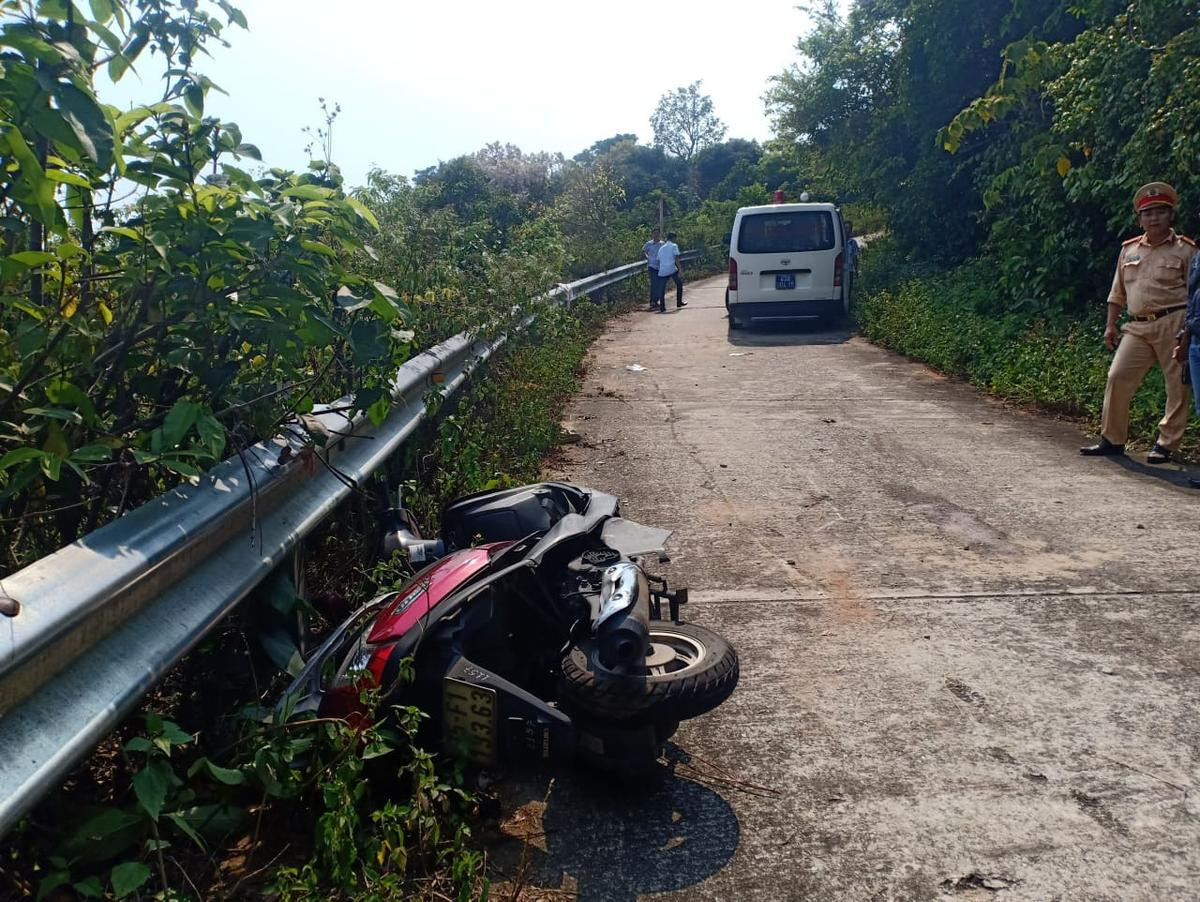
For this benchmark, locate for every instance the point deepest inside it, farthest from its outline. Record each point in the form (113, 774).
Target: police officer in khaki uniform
(1151, 283)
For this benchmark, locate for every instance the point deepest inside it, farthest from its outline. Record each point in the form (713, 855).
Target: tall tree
(684, 122)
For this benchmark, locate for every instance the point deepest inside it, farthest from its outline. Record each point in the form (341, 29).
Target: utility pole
(660, 215)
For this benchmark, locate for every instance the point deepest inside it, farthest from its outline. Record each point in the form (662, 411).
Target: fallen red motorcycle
(535, 634)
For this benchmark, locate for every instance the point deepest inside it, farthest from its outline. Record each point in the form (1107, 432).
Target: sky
(419, 83)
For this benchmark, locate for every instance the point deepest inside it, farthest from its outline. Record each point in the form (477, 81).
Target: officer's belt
(1151, 317)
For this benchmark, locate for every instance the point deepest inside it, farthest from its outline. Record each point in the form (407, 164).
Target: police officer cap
(1154, 194)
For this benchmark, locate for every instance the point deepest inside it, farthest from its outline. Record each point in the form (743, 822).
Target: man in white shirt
(668, 268)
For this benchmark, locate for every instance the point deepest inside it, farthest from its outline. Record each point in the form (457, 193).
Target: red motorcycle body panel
(426, 589)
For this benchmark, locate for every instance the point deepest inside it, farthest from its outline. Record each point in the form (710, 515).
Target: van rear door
(786, 255)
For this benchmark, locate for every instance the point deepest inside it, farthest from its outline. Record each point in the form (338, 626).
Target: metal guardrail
(103, 619)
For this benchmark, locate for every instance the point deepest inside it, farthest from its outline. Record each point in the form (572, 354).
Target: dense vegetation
(1001, 144)
(1017, 131)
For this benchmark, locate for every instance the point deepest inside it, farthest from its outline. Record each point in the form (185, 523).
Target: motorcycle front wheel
(690, 670)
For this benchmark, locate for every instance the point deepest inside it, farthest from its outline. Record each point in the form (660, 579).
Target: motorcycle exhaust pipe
(623, 624)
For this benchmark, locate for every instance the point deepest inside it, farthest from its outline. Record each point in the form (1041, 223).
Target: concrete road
(969, 663)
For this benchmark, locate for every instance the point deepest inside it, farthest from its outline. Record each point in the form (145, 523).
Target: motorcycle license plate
(469, 720)
(785, 281)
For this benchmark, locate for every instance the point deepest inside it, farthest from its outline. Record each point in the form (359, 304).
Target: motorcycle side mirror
(401, 518)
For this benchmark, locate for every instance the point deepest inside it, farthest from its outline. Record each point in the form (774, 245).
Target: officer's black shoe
(1158, 454)
(1103, 448)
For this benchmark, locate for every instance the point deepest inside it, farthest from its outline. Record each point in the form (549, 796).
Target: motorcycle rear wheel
(690, 671)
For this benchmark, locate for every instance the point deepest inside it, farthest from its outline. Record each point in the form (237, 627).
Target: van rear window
(778, 233)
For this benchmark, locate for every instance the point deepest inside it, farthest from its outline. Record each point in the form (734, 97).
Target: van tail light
(837, 272)
(732, 274)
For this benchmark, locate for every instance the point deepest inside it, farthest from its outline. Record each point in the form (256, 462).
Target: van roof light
(803, 197)
(778, 195)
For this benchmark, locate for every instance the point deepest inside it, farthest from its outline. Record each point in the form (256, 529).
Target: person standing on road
(668, 268)
(851, 264)
(651, 249)
(1188, 340)
(1151, 283)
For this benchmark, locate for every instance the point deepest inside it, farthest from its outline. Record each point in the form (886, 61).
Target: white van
(787, 262)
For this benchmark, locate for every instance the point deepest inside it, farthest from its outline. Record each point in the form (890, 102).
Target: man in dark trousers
(668, 268)
(1151, 285)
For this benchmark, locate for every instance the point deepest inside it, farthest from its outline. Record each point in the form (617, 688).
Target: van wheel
(726, 298)
(733, 323)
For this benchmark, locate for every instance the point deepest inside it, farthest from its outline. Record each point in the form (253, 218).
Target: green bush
(1058, 365)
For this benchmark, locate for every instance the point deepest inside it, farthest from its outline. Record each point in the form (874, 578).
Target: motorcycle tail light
(837, 272)
(732, 274)
(354, 675)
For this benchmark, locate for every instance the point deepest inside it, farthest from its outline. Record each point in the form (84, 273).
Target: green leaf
(89, 888)
(308, 192)
(387, 291)
(174, 733)
(182, 823)
(24, 306)
(132, 117)
(317, 247)
(32, 188)
(226, 775)
(31, 46)
(65, 394)
(181, 417)
(88, 454)
(150, 784)
(212, 820)
(212, 434)
(19, 456)
(349, 301)
(139, 744)
(102, 10)
(127, 877)
(361, 209)
(88, 121)
(33, 258)
(123, 231)
(182, 467)
(385, 308)
(193, 99)
(378, 412)
(161, 243)
(55, 413)
(67, 178)
(103, 835)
